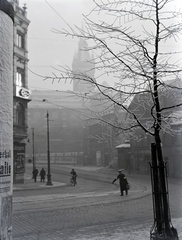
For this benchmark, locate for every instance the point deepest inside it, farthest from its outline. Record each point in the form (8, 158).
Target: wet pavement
(83, 198)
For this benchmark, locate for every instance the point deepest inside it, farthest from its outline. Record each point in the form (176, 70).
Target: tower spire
(83, 63)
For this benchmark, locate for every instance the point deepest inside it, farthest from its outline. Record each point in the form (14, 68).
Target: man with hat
(122, 181)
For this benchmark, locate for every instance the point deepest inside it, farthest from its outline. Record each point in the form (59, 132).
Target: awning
(123, 145)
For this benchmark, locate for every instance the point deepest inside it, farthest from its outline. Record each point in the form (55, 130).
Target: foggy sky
(45, 48)
(48, 49)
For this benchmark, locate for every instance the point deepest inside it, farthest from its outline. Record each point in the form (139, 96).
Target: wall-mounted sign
(23, 92)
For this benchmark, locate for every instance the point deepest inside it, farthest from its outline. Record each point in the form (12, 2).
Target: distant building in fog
(66, 114)
(171, 134)
(73, 138)
(83, 64)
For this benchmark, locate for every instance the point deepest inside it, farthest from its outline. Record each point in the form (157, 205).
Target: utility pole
(33, 149)
(49, 182)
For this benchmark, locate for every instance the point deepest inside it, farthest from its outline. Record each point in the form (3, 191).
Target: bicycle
(73, 181)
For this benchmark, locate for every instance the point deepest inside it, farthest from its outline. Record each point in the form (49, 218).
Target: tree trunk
(162, 184)
(163, 226)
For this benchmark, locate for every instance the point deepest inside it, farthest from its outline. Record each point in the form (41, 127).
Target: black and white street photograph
(90, 120)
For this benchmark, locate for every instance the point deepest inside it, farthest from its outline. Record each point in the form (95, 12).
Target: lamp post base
(49, 182)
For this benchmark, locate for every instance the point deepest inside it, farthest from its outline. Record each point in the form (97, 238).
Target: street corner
(54, 184)
(29, 184)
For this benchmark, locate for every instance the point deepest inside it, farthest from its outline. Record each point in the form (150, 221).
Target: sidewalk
(29, 184)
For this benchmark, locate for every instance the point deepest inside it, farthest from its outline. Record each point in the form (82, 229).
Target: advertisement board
(6, 119)
(19, 158)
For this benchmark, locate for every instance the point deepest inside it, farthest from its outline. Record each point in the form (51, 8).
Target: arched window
(19, 115)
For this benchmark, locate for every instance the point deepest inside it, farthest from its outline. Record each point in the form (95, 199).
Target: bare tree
(133, 42)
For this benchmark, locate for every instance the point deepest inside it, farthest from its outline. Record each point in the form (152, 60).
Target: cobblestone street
(91, 210)
(80, 212)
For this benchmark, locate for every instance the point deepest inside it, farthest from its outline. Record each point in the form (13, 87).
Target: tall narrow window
(20, 40)
(20, 77)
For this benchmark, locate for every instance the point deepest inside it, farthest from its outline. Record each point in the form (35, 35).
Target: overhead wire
(77, 110)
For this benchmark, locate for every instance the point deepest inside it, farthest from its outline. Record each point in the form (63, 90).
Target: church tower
(84, 64)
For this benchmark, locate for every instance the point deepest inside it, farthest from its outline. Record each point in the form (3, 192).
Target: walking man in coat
(35, 173)
(42, 175)
(122, 181)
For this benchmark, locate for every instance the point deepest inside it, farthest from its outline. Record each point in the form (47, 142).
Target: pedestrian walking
(74, 176)
(42, 175)
(122, 182)
(35, 173)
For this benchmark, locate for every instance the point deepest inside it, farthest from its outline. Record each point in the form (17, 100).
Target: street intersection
(92, 209)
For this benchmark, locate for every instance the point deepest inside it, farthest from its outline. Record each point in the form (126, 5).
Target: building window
(20, 40)
(20, 77)
(19, 115)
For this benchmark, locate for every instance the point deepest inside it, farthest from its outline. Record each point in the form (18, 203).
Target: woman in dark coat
(122, 182)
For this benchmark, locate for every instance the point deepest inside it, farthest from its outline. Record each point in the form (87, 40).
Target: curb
(55, 185)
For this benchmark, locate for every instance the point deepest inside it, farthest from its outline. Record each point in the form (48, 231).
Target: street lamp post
(33, 151)
(49, 182)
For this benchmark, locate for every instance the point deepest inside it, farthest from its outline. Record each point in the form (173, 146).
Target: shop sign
(23, 92)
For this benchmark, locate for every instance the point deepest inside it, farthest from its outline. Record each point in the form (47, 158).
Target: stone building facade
(21, 93)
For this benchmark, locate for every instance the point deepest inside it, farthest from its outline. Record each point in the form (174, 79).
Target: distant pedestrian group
(42, 174)
(123, 182)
